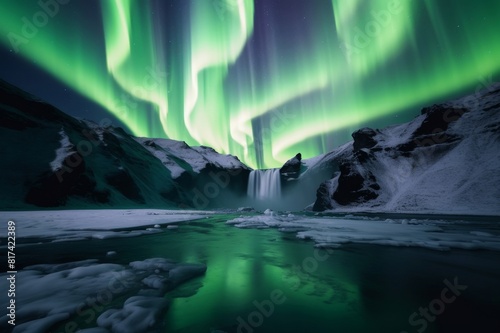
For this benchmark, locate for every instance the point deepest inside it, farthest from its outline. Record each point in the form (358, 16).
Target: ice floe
(71, 225)
(333, 232)
(62, 294)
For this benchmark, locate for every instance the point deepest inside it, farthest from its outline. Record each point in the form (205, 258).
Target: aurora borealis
(262, 80)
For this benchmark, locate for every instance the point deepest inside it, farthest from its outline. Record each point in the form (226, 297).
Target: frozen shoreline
(332, 232)
(65, 225)
(65, 288)
(432, 232)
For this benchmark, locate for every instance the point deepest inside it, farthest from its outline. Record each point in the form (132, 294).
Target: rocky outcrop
(323, 197)
(445, 160)
(355, 185)
(352, 183)
(438, 118)
(49, 189)
(364, 138)
(291, 169)
(433, 129)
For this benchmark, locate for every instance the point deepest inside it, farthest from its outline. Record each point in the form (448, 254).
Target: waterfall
(264, 184)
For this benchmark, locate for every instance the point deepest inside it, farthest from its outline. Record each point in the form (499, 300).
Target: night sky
(261, 79)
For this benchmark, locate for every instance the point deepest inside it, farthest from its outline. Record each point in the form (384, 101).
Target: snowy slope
(62, 153)
(178, 157)
(444, 161)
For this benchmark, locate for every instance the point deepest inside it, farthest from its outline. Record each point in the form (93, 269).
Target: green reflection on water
(245, 267)
(358, 288)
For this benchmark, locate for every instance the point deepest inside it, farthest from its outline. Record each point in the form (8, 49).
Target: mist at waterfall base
(268, 189)
(264, 189)
(260, 79)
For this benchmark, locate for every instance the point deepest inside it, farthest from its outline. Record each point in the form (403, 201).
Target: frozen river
(363, 275)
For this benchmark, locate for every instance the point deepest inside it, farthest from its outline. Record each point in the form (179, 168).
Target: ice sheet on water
(260, 221)
(93, 330)
(42, 324)
(333, 232)
(481, 233)
(155, 281)
(184, 272)
(93, 270)
(71, 225)
(51, 294)
(139, 313)
(153, 264)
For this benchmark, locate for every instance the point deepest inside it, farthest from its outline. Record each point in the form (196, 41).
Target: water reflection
(269, 281)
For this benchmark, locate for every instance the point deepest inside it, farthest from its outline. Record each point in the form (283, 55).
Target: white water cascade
(264, 184)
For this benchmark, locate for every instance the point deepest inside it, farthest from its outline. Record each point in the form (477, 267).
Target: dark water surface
(269, 281)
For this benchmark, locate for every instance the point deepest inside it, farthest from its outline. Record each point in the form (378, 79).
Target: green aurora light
(261, 80)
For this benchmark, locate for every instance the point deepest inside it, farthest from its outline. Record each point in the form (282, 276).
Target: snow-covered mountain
(175, 154)
(447, 160)
(444, 161)
(50, 159)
